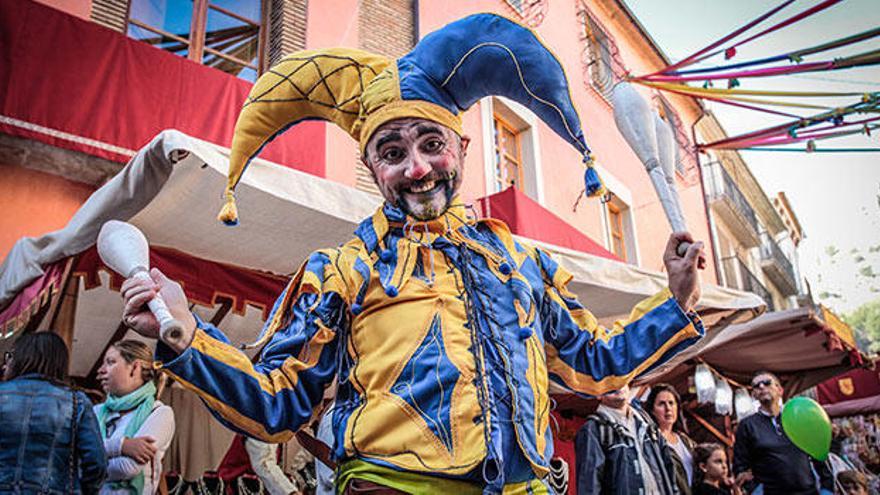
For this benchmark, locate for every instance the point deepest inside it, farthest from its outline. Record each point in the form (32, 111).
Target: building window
(601, 58)
(620, 231)
(615, 230)
(225, 34)
(683, 151)
(513, 157)
(508, 156)
(530, 12)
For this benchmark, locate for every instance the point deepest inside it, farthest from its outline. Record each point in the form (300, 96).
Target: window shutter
(110, 14)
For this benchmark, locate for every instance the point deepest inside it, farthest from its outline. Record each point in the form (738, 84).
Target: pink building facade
(597, 41)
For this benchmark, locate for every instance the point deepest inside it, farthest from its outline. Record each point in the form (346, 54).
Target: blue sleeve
(271, 399)
(588, 358)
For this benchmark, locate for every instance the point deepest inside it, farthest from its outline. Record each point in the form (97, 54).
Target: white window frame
(527, 122)
(623, 195)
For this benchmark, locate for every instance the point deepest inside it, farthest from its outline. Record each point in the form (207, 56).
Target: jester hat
(446, 72)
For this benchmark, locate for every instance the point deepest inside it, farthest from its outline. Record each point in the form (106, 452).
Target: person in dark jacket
(49, 439)
(764, 454)
(619, 450)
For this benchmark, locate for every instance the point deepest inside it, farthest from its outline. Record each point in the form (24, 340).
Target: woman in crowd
(49, 440)
(136, 427)
(664, 406)
(711, 476)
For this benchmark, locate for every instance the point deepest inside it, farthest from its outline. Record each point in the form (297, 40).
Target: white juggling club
(666, 149)
(123, 248)
(635, 120)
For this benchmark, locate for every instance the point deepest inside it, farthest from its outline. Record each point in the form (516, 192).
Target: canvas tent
(802, 346)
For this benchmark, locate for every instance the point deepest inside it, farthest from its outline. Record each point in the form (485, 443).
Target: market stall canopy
(802, 346)
(171, 191)
(852, 393)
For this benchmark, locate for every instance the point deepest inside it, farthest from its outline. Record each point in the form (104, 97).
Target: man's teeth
(423, 187)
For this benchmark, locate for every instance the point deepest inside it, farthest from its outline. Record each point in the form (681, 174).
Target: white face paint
(417, 165)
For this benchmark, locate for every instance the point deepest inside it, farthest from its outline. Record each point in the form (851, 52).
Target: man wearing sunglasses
(764, 453)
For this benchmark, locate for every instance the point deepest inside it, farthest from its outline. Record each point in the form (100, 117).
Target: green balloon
(807, 425)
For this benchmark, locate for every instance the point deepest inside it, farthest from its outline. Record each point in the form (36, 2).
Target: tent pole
(726, 440)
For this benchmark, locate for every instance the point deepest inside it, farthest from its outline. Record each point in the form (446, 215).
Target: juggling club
(123, 248)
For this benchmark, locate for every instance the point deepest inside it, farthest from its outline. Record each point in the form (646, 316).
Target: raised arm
(589, 358)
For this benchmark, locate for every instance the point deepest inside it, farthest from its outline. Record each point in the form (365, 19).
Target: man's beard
(428, 210)
(436, 204)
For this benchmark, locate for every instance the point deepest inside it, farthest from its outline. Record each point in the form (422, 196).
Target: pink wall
(335, 23)
(79, 8)
(59, 200)
(562, 171)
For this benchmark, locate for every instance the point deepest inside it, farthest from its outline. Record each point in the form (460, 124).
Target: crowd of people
(53, 440)
(642, 448)
(858, 438)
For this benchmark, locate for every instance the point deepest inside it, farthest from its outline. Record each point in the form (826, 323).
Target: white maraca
(123, 248)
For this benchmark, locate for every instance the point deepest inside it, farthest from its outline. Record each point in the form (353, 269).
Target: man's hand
(742, 478)
(682, 271)
(136, 293)
(141, 449)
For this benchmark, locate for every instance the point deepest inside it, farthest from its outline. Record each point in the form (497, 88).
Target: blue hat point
(489, 55)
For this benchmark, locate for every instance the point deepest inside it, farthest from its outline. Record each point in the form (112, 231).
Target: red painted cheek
(446, 161)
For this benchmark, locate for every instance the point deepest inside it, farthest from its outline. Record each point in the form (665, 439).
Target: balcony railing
(722, 189)
(777, 265)
(738, 276)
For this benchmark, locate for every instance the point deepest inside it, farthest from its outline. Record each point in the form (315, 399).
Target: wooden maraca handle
(170, 330)
(682, 248)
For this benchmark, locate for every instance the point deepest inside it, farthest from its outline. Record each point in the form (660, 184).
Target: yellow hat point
(229, 212)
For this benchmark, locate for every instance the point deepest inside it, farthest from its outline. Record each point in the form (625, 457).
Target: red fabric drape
(199, 278)
(856, 384)
(33, 297)
(527, 218)
(77, 85)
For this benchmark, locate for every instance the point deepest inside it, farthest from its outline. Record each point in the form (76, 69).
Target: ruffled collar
(389, 217)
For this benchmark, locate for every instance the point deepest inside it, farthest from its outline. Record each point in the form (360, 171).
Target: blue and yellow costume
(443, 334)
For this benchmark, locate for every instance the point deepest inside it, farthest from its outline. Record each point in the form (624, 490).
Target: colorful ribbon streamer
(817, 150)
(693, 58)
(794, 56)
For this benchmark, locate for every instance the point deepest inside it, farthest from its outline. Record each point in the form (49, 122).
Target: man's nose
(418, 167)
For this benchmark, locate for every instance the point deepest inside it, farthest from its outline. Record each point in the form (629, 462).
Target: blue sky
(835, 196)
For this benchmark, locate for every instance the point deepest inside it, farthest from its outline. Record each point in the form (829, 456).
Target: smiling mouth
(430, 186)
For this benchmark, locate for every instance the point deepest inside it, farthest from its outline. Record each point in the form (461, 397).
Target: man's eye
(392, 155)
(433, 145)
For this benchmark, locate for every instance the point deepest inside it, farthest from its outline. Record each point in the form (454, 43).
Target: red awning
(205, 281)
(527, 218)
(77, 85)
(855, 392)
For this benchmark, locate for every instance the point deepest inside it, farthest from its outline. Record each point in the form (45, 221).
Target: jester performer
(441, 331)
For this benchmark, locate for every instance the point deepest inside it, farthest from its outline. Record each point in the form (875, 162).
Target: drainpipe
(713, 243)
(415, 11)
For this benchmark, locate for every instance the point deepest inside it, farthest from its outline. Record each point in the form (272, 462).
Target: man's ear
(465, 141)
(367, 165)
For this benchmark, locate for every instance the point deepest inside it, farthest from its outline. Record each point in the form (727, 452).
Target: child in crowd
(711, 472)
